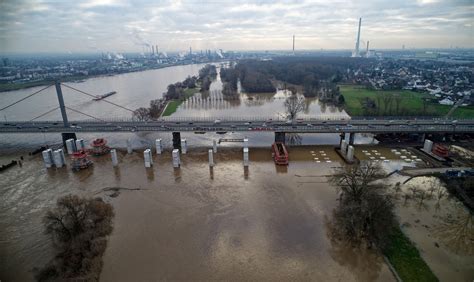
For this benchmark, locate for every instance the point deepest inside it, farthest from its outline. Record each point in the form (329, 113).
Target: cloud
(122, 25)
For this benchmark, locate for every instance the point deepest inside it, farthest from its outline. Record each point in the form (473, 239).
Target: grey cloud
(174, 25)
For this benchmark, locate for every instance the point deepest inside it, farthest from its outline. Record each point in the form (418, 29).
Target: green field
(406, 259)
(411, 103)
(174, 104)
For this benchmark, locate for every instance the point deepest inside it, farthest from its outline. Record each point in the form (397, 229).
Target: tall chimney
(356, 51)
(156, 49)
(367, 51)
(152, 50)
(293, 43)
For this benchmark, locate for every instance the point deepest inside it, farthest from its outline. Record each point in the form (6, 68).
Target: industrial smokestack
(152, 50)
(293, 43)
(156, 49)
(356, 51)
(367, 51)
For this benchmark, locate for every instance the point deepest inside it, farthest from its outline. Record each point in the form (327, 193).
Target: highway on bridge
(200, 125)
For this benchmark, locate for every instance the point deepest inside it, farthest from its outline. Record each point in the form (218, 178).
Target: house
(446, 101)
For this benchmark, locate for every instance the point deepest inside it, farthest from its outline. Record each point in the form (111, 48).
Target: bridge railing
(307, 119)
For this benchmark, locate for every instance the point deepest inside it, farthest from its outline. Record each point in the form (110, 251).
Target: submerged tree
(78, 228)
(142, 114)
(294, 105)
(365, 213)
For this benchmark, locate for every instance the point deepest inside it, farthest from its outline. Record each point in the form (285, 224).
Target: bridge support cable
(79, 112)
(94, 96)
(22, 99)
(42, 115)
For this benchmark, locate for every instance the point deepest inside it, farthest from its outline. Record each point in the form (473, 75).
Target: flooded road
(193, 223)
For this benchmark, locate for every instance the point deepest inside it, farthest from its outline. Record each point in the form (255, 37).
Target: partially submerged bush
(78, 227)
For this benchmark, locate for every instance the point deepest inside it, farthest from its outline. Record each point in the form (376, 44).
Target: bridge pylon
(62, 107)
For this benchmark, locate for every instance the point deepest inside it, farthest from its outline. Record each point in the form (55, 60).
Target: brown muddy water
(193, 223)
(443, 232)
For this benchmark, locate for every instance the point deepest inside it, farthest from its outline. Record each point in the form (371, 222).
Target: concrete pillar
(184, 146)
(342, 138)
(351, 138)
(66, 136)
(422, 137)
(63, 158)
(343, 147)
(159, 147)
(113, 155)
(177, 140)
(246, 157)
(280, 137)
(350, 153)
(214, 146)
(148, 158)
(176, 159)
(70, 146)
(58, 160)
(48, 158)
(211, 158)
(428, 146)
(246, 142)
(129, 146)
(80, 145)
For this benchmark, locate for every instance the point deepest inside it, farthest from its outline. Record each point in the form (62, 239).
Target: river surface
(264, 223)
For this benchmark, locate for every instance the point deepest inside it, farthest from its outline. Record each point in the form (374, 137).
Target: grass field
(406, 259)
(174, 104)
(411, 103)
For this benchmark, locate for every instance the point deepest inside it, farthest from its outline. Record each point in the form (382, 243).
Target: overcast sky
(127, 25)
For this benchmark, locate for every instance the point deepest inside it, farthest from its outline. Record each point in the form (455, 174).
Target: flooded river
(193, 223)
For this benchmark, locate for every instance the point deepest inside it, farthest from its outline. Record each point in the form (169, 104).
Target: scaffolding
(80, 160)
(99, 147)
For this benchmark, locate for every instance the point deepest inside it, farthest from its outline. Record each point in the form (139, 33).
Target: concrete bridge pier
(177, 140)
(342, 137)
(351, 138)
(280, 137)
(67, 136)
(421, 137)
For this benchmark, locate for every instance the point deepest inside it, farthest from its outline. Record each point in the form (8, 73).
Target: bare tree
(457, 231)
(355, 181)
(365, 213)
(155, 108)
(294, 105)
(141, 114)
(78, 228)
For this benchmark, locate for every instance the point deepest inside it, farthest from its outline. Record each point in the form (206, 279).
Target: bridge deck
(233, 125)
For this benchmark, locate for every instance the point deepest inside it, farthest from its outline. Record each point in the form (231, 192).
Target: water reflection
(150, 174)
(365, 263)
(214, 103)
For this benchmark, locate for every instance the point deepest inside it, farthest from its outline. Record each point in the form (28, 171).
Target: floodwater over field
(193, 223)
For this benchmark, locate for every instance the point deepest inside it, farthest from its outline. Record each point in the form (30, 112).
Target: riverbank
(173, 105)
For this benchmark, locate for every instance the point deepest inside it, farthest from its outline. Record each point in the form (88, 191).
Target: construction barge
(100, 97)
(279, 153)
